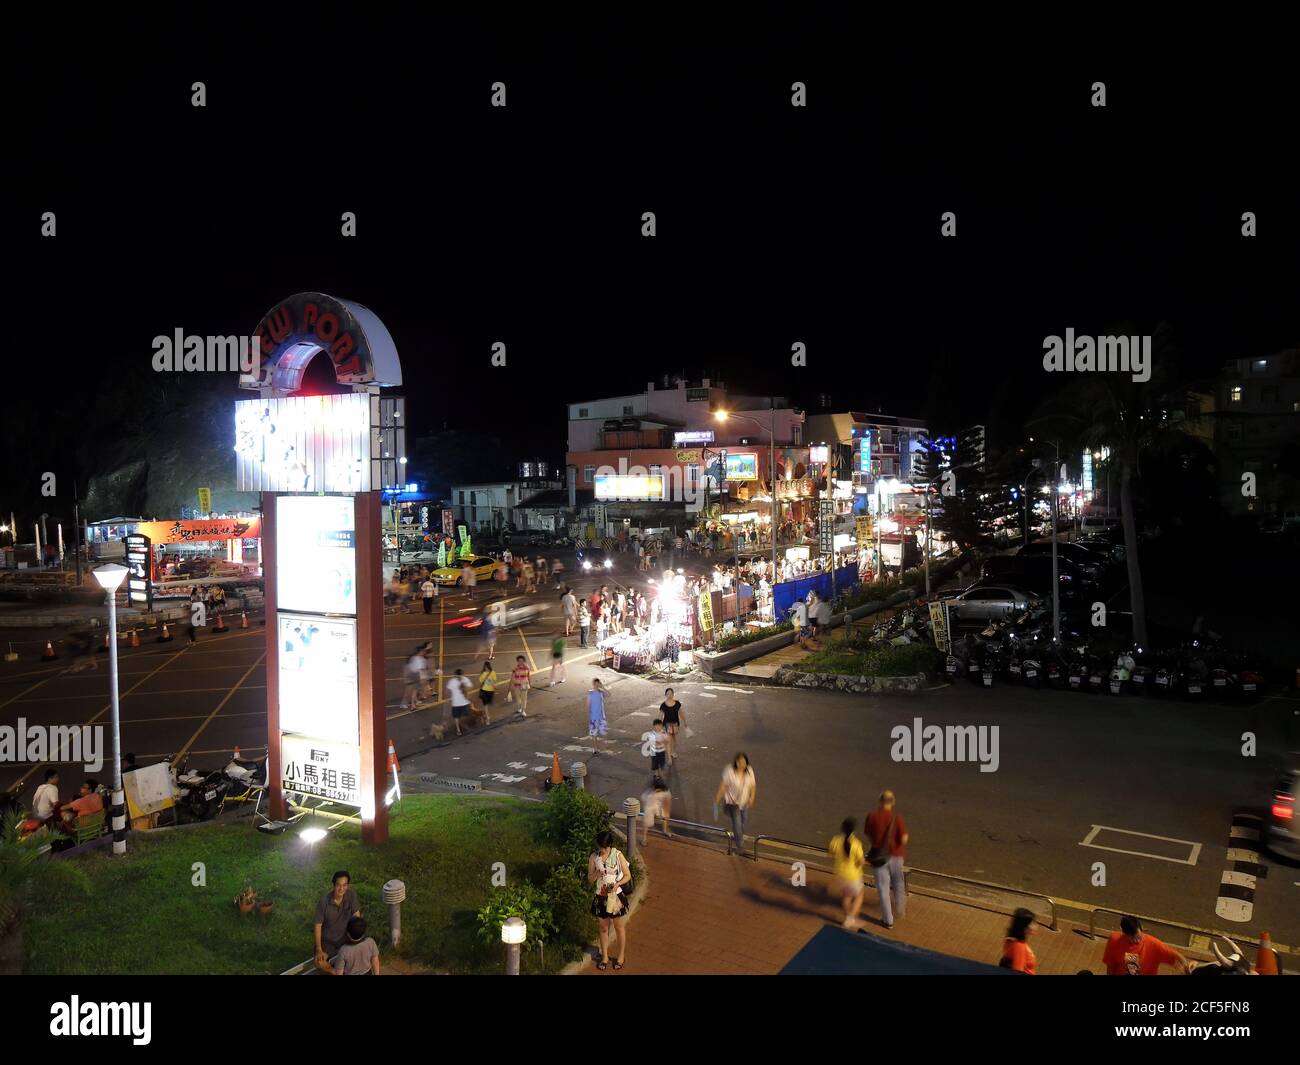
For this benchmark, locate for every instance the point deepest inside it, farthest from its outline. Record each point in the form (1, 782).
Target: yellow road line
(229, 695)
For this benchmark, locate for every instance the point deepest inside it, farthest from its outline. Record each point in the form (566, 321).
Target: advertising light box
(743, 467)
(615, 486)
(328, 769)
(318, 676)
(316, 558)
(304, 444)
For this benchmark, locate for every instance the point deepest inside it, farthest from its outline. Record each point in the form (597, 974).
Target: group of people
(49, 811)
(342, 946)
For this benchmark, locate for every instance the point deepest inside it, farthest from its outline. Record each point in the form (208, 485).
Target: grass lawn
(144, 913)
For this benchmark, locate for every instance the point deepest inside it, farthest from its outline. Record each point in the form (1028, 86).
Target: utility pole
(76, 521)
(1056, 579)
(830, 509)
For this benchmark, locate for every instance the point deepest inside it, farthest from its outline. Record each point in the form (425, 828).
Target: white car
(990, 602)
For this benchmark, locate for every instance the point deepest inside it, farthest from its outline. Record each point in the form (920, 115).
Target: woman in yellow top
(850, 863)
(487, 687)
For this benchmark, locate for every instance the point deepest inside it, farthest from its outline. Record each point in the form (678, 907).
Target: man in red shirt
(887, 832)
(1131, 952)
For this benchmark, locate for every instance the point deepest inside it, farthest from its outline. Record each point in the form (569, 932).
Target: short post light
(513, 934)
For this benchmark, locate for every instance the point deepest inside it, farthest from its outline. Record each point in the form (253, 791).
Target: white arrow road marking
(541, 768)
(584, 750)
(639, 713)
(718, 688)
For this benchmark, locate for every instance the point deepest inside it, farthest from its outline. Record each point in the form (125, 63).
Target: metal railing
(1189, 929)
(712, 829)
(909, 871)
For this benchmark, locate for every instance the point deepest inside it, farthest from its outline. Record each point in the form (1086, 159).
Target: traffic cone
(557, 777)
(165, 636)
(1266, 960)
(235, 756)
(243, 616)
(48, 653)
(393, 766)
(220, 625)
(103, 649)
(135, 637)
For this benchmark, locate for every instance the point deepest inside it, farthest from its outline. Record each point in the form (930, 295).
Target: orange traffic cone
(1266, 960)
(48, 653)
(393, 766)
(165, 636)
(557, 777)
(235, 756)
(243, 622)
(220, 626)
(135, 637)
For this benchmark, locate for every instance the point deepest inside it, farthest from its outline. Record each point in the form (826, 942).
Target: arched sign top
(293, 332)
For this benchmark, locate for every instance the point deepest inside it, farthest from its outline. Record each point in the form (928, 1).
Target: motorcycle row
(1022, 651)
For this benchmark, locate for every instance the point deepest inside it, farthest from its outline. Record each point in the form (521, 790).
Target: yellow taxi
(451, 575)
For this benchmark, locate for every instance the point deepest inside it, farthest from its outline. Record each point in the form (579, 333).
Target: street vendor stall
(670, 631)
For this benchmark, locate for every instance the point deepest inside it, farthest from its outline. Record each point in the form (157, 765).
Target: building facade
(1256, 417)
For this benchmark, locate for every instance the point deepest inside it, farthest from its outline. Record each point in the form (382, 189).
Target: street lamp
(110, 578)
(513, 933)
(722, 416)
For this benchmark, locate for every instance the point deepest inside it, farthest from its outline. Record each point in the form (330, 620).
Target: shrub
(518, 900)
(739, 639)
(888, 660)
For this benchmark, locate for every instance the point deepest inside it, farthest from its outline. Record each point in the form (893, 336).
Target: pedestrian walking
(736, 793)
(428, 592)
(569, 606)
(657, 801)
(602, 625)
(487, 690)
(520, 682)
(488, 636)
(597, 725)
(849, 865)
(530, 577)
(414, 676)
(656, 746)
(801, 623)
(1017, 954)
(887, 831)
(1131, 952)
(558, 673)
(468, 578)
(458, 688)
(610, 872)
(584, 623)
(671, 712)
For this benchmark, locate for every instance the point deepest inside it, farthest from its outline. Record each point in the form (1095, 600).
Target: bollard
(513, 934)
(394, 895)
(632, 807)
(578, 771)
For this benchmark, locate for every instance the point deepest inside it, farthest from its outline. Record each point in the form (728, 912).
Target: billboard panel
(316, 555)
(311, 765)
(318, 676)
(742, 467)
(304, 444)
(631, 486)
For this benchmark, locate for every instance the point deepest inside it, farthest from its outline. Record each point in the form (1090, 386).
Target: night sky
(775, 224)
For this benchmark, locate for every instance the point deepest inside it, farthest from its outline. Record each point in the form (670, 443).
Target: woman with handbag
(612, 875)
(737, 792)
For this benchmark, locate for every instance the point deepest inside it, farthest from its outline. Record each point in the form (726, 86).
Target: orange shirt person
(1017, 954)
(1131, 952)
(88, 801)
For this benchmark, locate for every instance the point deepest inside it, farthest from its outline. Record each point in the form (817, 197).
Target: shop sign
(818, 453)
(862, 529)
(693, 436)
(324, 768)
(205, 500)
(448, 521)
(742, 467)
(688, 456)
(305, 444)
(139, 567)
(826, 526)
(315, 552)
(939, 625)
(184, 532)
(704, 605)
(630, 486)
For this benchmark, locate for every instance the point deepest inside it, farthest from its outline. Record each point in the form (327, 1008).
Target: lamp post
(110, 578)
(722, 416)
(513, 933)
(1024, 491)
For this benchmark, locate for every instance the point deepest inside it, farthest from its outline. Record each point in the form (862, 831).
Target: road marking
(229, 695)
(705, 695)
(720, 688)
(1193, 853)
(516, 765)
(638, 713)
(1236, 901)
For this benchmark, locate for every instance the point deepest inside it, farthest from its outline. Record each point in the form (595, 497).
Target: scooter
(1121, 674)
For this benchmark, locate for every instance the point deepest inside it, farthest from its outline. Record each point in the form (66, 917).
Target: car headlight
(586, 565)
(609, 564)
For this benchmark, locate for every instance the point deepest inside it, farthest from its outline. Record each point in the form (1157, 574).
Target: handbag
(878, 856)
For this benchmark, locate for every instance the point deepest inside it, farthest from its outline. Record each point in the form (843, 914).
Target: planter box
(721, 661)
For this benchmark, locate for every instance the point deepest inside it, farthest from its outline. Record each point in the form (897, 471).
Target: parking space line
(1193, 852)
(229, 695)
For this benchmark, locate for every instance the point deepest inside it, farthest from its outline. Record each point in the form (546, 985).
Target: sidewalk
(709, 913)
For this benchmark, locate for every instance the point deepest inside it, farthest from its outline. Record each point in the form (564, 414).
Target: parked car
(1105, 546)
(1034, 574)
(1283, 829)
(1091, 562)
(590, 559)
(990, 602)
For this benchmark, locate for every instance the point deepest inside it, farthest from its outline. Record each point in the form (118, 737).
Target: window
(1234, 432)
(582, 412)
(627, 408)
(1234, 394)
(588, 474)
(462, 497)
(796, 433)
(1269, 393)
(473, 499)
(693, 473)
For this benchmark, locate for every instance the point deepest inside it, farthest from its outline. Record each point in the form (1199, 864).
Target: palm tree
(1130, 418)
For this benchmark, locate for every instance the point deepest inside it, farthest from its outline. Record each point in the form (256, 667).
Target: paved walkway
(709, 913)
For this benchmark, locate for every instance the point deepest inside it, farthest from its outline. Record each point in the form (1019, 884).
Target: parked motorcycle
(1121, 673)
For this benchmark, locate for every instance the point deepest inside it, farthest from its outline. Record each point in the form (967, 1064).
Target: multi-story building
(656, 457)
(1257, 415)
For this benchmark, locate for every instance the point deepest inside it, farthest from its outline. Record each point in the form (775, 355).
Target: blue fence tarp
(787, 593)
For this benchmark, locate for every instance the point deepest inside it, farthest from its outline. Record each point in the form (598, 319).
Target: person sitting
(359, 956)
(88, 801)
(45, 802)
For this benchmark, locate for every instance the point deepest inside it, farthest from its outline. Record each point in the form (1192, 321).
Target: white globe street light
(110, 578)
(513, 932)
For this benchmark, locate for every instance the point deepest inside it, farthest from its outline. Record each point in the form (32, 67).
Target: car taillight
(1283, 807)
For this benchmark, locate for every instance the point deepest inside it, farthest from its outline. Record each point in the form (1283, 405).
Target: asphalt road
(1152, 786)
